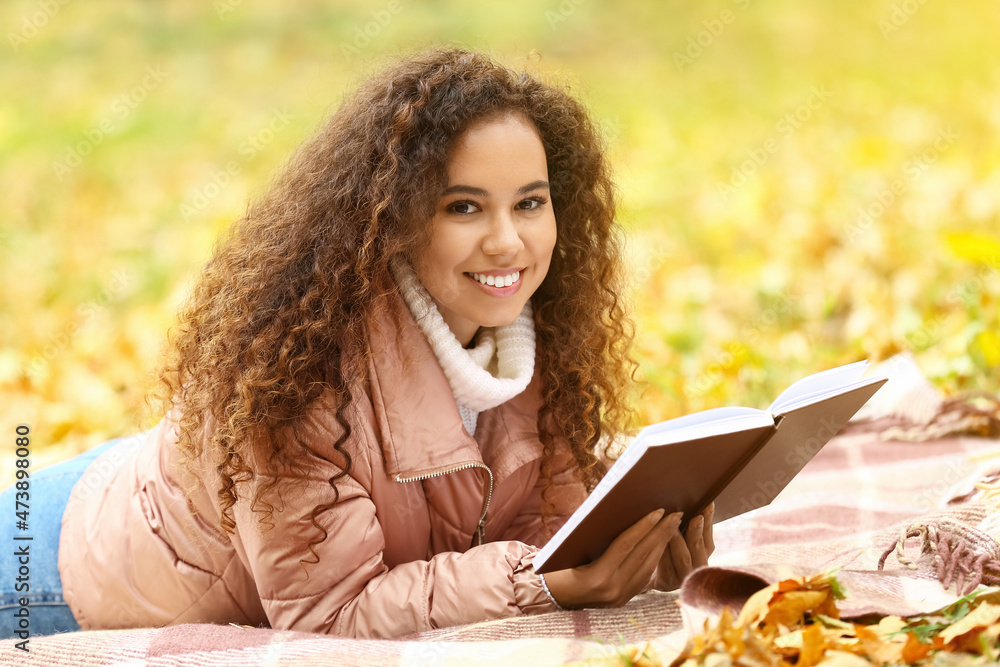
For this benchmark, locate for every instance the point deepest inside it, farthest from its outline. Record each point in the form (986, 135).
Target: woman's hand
(624, 569)
(686, 553)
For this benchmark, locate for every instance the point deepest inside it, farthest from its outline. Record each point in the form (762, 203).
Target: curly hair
(279, 317)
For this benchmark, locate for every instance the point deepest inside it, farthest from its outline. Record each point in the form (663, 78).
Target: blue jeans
(29, 568)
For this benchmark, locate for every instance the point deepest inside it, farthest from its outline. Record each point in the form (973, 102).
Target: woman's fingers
(674, 565)
(624, 568)
(651, 544)
(695, 540)
(643, 559)
(687, 552)
(707, 533)
(623, 545)
(635, 571)
(699, 537)
(680, 552)
(667, 577)
(646, 537)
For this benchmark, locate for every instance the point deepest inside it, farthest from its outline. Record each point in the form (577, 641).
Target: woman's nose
(502, 237)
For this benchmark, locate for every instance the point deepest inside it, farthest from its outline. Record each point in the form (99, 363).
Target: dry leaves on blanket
(796, 622)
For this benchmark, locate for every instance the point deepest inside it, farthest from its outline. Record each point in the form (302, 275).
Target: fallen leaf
(982, 616)
(843, 659)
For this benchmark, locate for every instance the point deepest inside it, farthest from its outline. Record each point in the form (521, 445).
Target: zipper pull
(480, 535)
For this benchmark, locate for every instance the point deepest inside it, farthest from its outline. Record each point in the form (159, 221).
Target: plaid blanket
(860, 499)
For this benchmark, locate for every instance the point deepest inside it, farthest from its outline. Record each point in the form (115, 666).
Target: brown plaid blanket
(862, 500)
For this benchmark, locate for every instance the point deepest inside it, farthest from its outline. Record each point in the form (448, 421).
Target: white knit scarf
(498, 368)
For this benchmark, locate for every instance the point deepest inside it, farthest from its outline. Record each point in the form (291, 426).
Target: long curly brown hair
(279, 317)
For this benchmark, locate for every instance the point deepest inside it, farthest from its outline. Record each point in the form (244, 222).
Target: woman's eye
(531, 204)
(463, 207)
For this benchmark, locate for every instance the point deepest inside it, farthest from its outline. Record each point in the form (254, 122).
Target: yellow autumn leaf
(889, 628)
(877, 649)
(813, 646)
(988, 341)
(843, 659)
(789, 609)
(975, 248)
(984, 615)
(756, 607)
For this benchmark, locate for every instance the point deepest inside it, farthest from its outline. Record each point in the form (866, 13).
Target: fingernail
(656, 515)
(698, 522)
(711, 509)
(676, 517)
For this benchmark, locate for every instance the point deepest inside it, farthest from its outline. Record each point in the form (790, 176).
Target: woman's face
(493, 232)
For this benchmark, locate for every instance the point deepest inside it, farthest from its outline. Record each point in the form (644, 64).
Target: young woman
(389, 387)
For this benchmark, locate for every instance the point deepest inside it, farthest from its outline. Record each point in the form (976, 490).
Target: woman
(389, 386)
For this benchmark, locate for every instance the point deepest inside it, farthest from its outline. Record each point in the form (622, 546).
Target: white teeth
(497, 281)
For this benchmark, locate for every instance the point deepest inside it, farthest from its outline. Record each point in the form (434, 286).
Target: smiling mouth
(496, 281)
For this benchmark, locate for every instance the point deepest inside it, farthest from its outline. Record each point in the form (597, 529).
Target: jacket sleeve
(550, 504)
(350, 591)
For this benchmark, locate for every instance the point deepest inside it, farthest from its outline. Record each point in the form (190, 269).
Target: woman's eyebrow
(480, 192)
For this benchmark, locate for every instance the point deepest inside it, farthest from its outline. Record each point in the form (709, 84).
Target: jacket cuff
(529, 594)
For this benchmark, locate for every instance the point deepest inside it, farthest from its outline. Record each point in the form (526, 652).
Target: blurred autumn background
(803, 184)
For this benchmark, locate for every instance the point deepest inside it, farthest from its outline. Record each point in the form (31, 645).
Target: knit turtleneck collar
(496, 369)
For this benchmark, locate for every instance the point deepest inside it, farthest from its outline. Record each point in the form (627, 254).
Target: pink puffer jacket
(399, 558)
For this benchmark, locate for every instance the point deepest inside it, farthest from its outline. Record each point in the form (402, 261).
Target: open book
(739, 457)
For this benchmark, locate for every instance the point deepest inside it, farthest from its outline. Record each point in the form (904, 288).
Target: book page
(818, 386)
(714, 415)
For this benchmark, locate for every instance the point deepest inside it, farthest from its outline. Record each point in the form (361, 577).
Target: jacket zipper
(480, 535)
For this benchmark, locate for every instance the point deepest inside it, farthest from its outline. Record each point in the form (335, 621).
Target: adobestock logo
(698, 43)
(223, 7)
(86, 312)
(121, 108)
(565, 9)
(900, 15)
(732, 355)
(786, 126)
(220, 179)
(364, 34)
(32, 24)
(914, 168)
